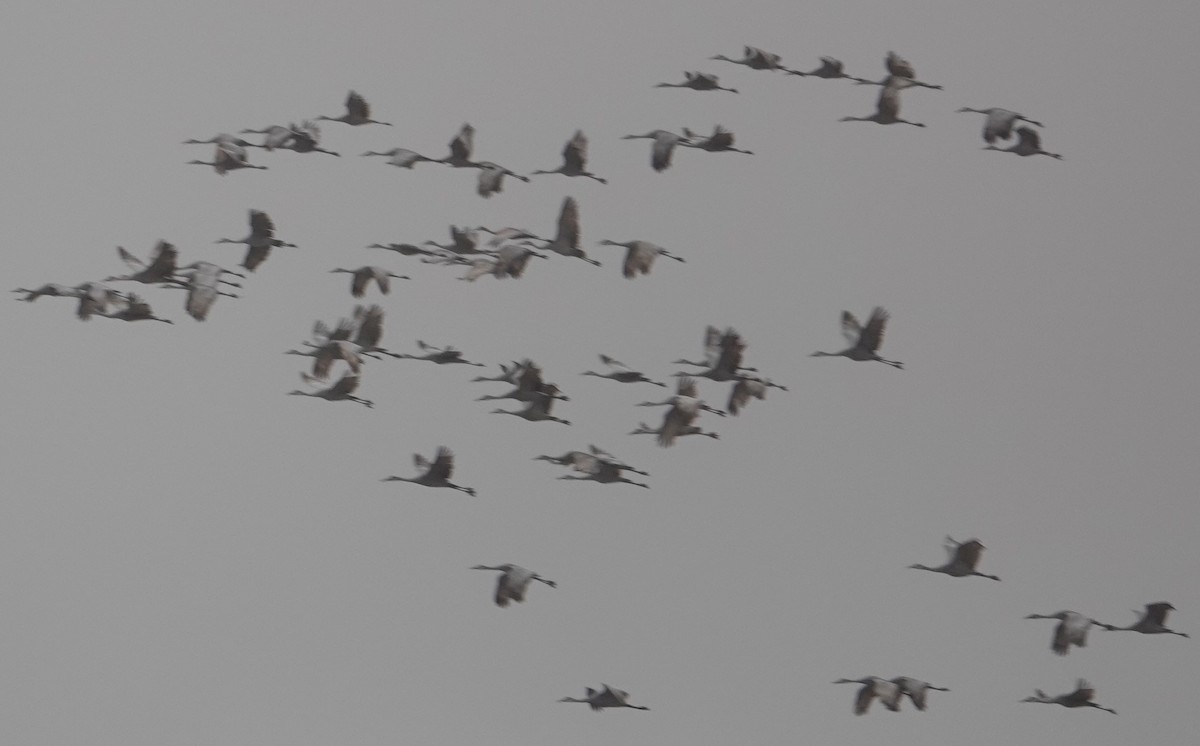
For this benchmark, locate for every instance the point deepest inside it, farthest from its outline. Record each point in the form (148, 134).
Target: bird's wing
(261, 224)
(356, 106)
(568, 222)
(345, 385)
(1027, 136)
(872, 335)
(133, 262)
(164, 258)
(443, 465)
(968, 553)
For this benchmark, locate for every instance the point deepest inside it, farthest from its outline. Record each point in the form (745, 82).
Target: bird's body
(1081, 697)
(964, 556)
(639, 256)
(698, 81)
(435, 473)
(362, 277)
(999, 122)
(605, 698)
(1029, 142)
(873, 687)
(513, 582)
(358, 112)
(260, 241)
(1072, 629)
(864, 340)
(461, 148)
(1151, 621)
(343, 390)
(574, 155)
(663, 147)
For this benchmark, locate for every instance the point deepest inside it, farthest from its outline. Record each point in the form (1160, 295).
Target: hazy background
(188, 556)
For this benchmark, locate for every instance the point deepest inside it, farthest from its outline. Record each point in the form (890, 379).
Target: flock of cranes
(351, 342)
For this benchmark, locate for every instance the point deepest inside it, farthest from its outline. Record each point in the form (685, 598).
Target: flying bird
(620, 372)
(363, 276)
(999, 122)
(698, 81)
(873, 687)
(1072, 629)
(402, 157)
(663, 147)
(1081, 697)
(230, 155)
(574, 155)
(830, 69)
(513, 582)
(755, 59)
(435, 473)
(439, 355)
(964, 556)
(1153, 621)
(566, 240)
(491, 178)
(460, 149)
(357, 112)
(916, 690)
(720, 141)
(639, 256)
(1029, 142)
(605, 698)
(343, 390)
(158, 269)
(864, 340)
(260, 241)
(203, 285)
(887, 106)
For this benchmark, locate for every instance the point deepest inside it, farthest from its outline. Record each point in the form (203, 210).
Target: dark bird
(1153, 621)
(434, 473)
(575, 157)
(698, 81)
(964, 556)
(260, 241)
(1081, 697)
(605, 697)
(999, 122)
(887, 107)
(343, 390)
(357, 112)
(864, 340)
(1029, 142)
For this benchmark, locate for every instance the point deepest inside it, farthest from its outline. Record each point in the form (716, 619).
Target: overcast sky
(190, 557)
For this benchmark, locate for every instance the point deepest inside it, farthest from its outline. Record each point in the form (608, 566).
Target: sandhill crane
(404, 249)
(362, 277)
(160, 267)
(964, 556)
(439, 355)
(305, 139)
(330, 348)
(508, 373)
(460, 149)
(537, 409)
(698, 81)
(94, 297)
(830, 69)
(1081, 697)
(509, 261)
(402, 157)
(679, 418)
(529, 385)
(1153, 621)
(133, 308)
(620, 372)
(203, 286)
(513, 582)
(1071, 629)
(343, 390)
(746, 387)
(999, 122)
(644, 429)
(1029, 142)
(720, 141)
(274, 136)
(605, 697)
(663, 147)
(640, 256)
(363, 331)
(915, 689)
(581, 460)
(463, 241)
(566, 240)
(685, 387)
(898, 67)
(874, 687)
(434, 473)
(728, 364)
(597, 469)
(357, 112)
(714, 347)
(491, 178)
(259, 242)
(864, 340)
(502, 235)
(228, 156)
(755, 59)
(574, 155)
(887, 107)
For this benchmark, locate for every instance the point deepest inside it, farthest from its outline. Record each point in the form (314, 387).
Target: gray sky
(190, 557)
